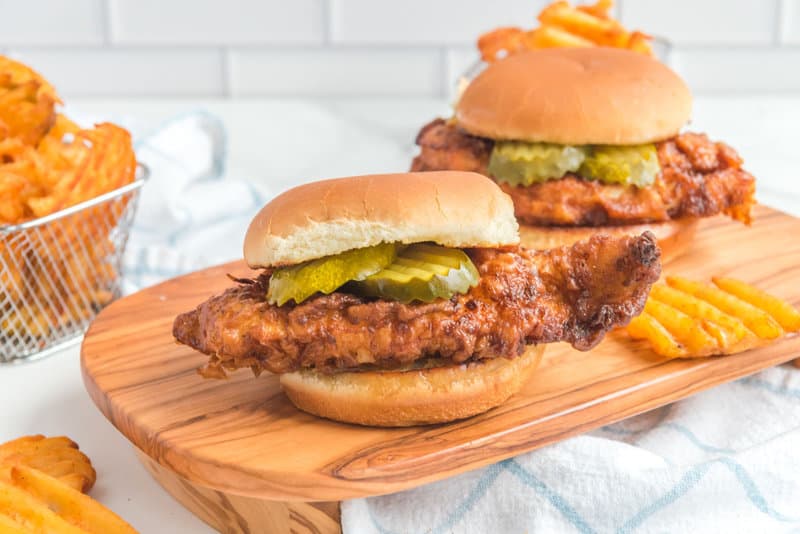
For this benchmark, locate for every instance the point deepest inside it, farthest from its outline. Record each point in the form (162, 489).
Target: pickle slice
(327, 274)
(520, 163)
(626, 165)
(421, 272)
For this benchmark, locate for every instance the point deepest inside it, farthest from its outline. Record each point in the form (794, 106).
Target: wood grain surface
(234, 514)
(242, 436)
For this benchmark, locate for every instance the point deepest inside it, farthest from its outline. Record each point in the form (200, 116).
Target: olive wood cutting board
(237, 451)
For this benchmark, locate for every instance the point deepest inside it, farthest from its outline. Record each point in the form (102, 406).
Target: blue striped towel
(725, 460)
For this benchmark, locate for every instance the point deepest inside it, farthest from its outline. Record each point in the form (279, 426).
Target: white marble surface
(278, 143)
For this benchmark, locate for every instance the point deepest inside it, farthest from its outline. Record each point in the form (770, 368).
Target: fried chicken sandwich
(588, 139)
(404, 299)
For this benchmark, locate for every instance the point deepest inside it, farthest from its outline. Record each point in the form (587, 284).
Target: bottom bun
(412, 397)
(674, 237)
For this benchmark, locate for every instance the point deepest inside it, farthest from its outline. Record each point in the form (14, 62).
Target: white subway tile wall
(706, 22)
(247, 48)
(129, 72)
(424, 22)
(790, 22)
(52, 22)
(335, 71)
(217, 22)
(740, 70)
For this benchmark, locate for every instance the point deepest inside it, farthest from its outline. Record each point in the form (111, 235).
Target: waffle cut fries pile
(687, 319)
(42, 490)
(58, 273)
(562, 25)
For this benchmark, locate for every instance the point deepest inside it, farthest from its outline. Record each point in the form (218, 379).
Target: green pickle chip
(627, 165)
(421, 272)
(327, 274)
(520, 163)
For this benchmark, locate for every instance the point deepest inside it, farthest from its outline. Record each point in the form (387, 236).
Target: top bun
(454, 209)
(576, 96)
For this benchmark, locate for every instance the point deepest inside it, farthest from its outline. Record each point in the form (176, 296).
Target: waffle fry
(77, 509)
(687, 319)
(783, 312)
(9, 526)
(562, 25)
(47, 164)
(21, 73)
(58, 457)
(758, 321)
(30, 514)
(42, 486)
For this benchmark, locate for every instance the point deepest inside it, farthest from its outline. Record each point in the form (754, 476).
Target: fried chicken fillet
(698, 178)
(574, 294)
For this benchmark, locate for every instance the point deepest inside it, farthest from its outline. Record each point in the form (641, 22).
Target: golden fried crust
(445, 146)
(574, 294)
(575, 201)
(699, 178)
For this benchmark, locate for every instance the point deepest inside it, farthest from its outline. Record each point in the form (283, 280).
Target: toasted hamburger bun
(576, 96)
(451, 208)
(674, 237)
(414, 396)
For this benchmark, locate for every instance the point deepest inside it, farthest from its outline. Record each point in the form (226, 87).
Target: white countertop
(277, 143)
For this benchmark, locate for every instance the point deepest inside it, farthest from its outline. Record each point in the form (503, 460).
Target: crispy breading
(698, 178)
(574, 294)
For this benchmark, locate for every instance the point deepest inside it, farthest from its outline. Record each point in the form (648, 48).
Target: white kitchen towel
(726, 460)
(191, 214)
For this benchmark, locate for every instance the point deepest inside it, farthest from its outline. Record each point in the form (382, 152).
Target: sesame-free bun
(674, 237)
(576, 96)
(411, 397)
(452, 208)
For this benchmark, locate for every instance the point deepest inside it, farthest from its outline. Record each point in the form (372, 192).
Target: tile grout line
(782, 46)
(781, 29)
(107, 23)
(225, 72)
(444, 68)
(327, 22)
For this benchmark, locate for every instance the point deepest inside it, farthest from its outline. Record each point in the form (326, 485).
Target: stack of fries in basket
(57, 273)
(562, 25)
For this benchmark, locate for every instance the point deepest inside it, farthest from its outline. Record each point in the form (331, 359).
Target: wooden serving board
(243, 439)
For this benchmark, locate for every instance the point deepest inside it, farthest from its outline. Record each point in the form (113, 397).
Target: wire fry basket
(57, 272)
